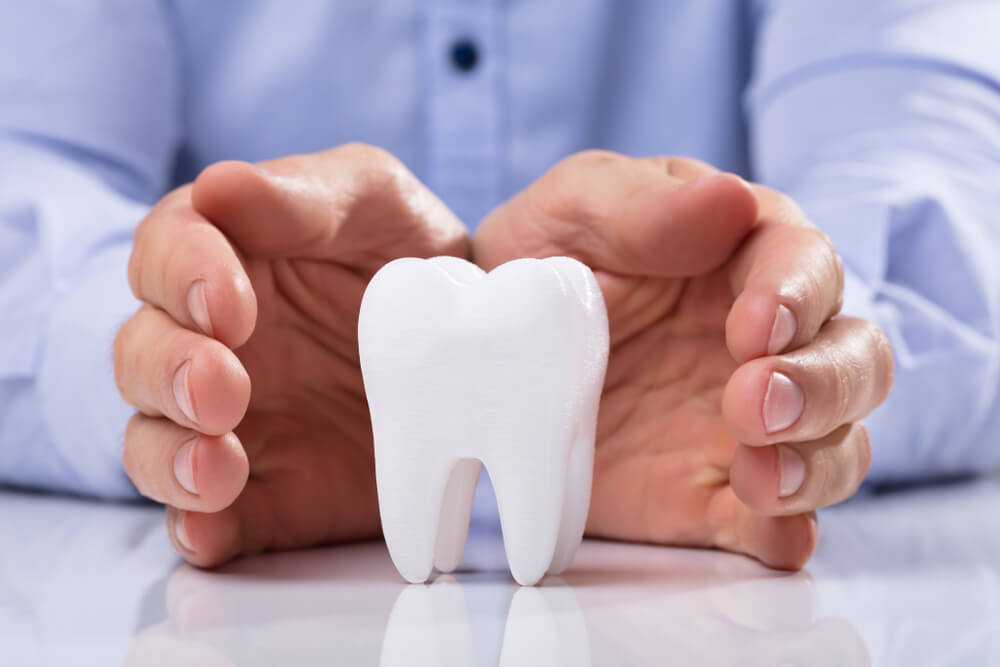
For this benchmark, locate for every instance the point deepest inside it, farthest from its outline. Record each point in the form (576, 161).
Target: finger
(164, 369)
(682, 168)
(247, 526)
(792, 478)
(844, 374)
(356, 204)
(321, 501)
(206, 539)
(788, 280)
(622, 215)
(185, 265)
(781, 542)
(183, 468)
(706, 513)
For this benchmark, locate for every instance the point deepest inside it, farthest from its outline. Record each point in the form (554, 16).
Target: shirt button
(464, 55)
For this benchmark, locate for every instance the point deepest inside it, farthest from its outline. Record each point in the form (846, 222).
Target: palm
(306, 431)
(663, 450)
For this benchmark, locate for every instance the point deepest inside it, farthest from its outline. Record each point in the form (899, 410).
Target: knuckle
(380, 174)
(118, 359)
(837, 390)
(358, 148)
(776, 206)
(876, 360)
(840, 466)
(822, 278)
(843, 394)
(573, 187)
(826, 255)
(833, 268)
(821, 479)
(592, 157)
(122, 360)
(668, 164)
(569, 172)
(886, 362)
(179, 196)
(865, 452)
(140, 233)
(371, 156)
(790, 212)
(130, 461)
(174, 256)
(683, 168)
(852, 461)
(138, 256)
(824, 476)
(158, 241)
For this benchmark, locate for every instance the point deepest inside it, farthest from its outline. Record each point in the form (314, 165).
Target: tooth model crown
(464, 369)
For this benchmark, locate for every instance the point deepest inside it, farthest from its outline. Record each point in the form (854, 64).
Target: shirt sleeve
(88, 131)
(882, 120)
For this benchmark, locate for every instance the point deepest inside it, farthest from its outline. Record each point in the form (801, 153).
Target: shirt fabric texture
(880, 118)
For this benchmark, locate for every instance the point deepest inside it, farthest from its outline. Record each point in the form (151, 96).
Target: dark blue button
(464, 55)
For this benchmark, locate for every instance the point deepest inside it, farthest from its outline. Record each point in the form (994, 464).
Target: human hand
(731, 404)
(253, 276)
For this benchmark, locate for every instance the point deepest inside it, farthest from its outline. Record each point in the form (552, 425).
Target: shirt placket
(464, 106)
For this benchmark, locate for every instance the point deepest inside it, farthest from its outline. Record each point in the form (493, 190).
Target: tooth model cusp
(464, 369)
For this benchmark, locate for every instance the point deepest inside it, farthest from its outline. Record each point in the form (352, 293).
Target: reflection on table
(911, 578)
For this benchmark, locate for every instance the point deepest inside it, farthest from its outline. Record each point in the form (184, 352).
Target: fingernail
(792, 471)
(782, 331)
(783, 403)
(180, 532)
(184, 466)
(198, 307)
(182, 394)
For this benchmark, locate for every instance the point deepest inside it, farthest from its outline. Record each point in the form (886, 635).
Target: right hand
(253, 275)
(694, 265)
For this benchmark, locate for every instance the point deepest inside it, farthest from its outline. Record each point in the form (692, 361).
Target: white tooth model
(464, 369)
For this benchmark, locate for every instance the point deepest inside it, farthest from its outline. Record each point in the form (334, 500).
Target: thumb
(624, 215)
(354, 204)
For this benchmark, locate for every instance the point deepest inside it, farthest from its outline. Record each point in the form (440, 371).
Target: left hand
(253, 276)
(733, 395)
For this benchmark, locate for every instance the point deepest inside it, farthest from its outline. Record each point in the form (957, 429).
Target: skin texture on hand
(727, 364)
(721, 300)
(252, 425)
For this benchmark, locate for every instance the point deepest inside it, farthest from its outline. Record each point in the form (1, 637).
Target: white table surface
(909, 578)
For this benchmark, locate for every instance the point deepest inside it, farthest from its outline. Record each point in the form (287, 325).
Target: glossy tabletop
(906, 578)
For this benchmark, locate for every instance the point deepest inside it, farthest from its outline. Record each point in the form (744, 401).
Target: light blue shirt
(882, 119)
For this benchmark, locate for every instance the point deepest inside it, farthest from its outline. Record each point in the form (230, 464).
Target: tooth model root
(464, 370)
(410, 527)
(453, 528)
(530, 503)
(575, 503)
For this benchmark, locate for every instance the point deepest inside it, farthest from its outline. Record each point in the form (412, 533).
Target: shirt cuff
(79, 401)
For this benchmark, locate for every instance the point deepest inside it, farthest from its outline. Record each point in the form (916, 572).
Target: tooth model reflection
(463, 369)
(430, 625)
